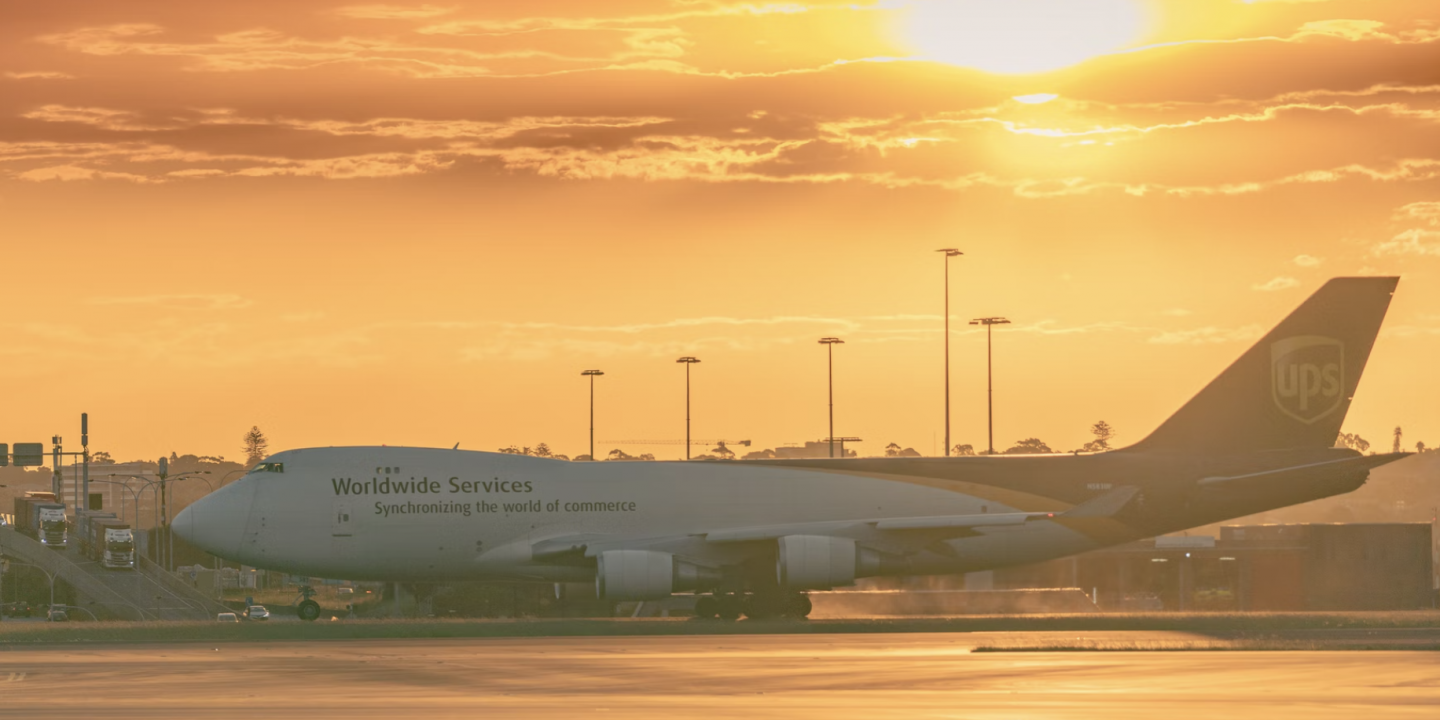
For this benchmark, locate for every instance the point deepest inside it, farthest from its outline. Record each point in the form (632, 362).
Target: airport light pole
(990, 323)
(592, 374)
(688, 361)
(830, 343)
(949, 253)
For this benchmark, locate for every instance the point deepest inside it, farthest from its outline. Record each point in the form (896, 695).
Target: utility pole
(990, 323)
(163, 471)
(84, 502)
(949, 253)
(830, 344)
(57, 479)
(688, 361)
(592, 375)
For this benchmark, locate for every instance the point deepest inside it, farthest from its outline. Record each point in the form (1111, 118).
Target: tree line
(1102, 431)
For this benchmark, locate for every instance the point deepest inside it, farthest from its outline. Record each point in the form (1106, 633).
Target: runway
(776, 676)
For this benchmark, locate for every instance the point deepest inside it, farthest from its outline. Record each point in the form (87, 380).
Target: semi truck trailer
(81, 528)
(42, 518)
(110, 541)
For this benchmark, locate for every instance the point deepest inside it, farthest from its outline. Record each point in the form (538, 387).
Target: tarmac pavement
(772, 676)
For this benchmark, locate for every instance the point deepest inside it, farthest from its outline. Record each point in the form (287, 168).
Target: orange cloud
(394, 12)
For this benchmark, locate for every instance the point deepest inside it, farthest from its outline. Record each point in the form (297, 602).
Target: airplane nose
(216, 523)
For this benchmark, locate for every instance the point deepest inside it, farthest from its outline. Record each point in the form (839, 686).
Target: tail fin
(1293, 388)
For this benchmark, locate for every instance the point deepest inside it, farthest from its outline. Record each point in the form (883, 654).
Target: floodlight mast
(592, 374)
(949, 253)
(688, 361)
(989, 323)
(830, 343)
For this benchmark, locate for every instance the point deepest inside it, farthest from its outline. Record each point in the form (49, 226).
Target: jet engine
(648, 575)
(817, 562)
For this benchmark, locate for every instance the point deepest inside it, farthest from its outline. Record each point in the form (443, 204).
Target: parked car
(18, 608)
(257, 612)
(57, 615)
(227, 618)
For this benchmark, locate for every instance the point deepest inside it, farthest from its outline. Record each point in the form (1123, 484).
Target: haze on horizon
(417, 223)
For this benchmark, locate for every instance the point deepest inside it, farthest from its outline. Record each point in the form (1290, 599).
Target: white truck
(40, 516)
(53, 531)
(112, 543)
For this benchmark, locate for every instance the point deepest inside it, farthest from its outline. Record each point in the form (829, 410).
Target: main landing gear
(308, 609)
(756, 606)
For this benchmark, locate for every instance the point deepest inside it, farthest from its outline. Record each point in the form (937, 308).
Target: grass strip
(1243, 644)
(1222, 626)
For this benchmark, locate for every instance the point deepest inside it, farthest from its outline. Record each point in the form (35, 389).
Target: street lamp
(688, 361)
(11, 561)
(990, 323)
(163, 509)
(592, 374)
(169, 534)
(135, 493)
(949, 253)
(148, 483)
(830, 343)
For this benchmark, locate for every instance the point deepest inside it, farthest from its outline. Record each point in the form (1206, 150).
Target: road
(143, 591)
(830, 676)
(136, 594)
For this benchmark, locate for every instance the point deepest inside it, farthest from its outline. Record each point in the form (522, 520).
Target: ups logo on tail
(1307, 376)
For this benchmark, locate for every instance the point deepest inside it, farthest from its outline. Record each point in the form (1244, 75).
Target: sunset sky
(418, 223)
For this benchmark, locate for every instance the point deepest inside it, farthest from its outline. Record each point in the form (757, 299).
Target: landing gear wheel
(728, 607)
(763, 607)
(707, 607)
(308, 610)
(751, 608)
(798, 606)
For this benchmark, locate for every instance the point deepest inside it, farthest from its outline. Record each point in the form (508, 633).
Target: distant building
(813, 449)
(1320, 566)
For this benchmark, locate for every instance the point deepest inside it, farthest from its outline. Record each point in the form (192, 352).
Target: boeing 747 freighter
(752, 536)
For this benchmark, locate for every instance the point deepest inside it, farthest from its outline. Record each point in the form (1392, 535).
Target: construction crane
(720, 445)
(841, 441)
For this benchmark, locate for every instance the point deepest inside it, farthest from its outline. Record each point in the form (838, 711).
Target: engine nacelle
(818, 562)
(648, 575)
(815, 562)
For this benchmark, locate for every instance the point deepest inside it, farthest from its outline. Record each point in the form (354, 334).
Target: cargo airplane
(753, 536)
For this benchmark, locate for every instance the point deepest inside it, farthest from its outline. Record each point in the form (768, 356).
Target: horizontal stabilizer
(936, 526)
(1313, 472)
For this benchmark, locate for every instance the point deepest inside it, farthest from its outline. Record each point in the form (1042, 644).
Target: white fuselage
(426, 514)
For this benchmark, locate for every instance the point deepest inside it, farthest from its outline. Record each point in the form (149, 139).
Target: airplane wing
(892, 535)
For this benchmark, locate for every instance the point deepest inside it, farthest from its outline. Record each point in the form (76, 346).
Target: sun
(1020, 36)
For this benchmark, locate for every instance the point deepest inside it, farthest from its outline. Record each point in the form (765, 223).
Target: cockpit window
(269, 467)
